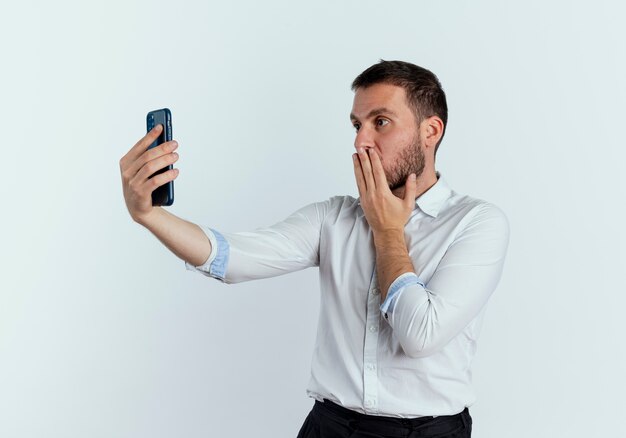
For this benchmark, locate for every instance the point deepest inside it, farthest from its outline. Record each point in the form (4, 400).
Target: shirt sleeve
(396, 288)
(215, 265)
(425, 318)
(286, 246)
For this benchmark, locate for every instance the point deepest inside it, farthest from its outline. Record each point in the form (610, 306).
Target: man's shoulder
(474, 206)
(337, 206)
(341, 201)
(333, 205)
(477, 215)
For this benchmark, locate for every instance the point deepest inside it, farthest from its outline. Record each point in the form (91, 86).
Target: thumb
(410, 190)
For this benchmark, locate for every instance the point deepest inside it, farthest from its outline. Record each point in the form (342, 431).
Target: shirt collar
(431, 200)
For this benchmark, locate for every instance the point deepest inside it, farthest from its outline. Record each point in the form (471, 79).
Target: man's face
(384, 122)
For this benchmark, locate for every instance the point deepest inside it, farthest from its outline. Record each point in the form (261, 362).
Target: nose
(364, 138)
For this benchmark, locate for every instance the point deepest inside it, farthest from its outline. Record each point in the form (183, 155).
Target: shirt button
(371, 366)
(373, 328)
(375, 291)
(369, 403)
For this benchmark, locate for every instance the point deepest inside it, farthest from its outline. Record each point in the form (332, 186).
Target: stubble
(411, 160)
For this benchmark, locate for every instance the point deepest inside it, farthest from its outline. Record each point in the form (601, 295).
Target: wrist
(147, 218)
(388, 235)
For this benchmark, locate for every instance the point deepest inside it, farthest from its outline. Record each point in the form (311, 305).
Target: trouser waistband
(389, 425)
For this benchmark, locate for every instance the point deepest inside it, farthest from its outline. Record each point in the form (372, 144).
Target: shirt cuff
(215, 266)
(395, 290)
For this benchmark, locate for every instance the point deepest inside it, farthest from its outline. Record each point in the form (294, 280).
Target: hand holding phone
(144, 168)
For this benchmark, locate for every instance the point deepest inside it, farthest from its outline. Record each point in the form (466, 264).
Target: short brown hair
(423, 90)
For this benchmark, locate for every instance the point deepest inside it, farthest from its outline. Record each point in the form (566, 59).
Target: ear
(431, 131)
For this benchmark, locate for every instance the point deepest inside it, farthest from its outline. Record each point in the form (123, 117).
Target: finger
(151, 154)
(141, 146)
(155, 165)
(358, 174)
(410, 191)
(159, 180)
(377, 167)
(367, 169)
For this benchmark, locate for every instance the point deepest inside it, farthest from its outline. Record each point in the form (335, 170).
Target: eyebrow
(375, 112)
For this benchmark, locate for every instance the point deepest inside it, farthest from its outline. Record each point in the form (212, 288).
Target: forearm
(183, 238)
(392, 259)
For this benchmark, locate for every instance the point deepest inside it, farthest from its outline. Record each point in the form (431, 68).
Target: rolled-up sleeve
(215, 265)
(396, 288)
(286, 246)
(426, 317)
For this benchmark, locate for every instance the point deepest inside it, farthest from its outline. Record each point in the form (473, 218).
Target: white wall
(103, 333)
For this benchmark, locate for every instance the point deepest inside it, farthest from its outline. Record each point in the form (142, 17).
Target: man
(405, 270)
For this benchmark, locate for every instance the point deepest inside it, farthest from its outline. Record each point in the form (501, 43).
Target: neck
(425, 181)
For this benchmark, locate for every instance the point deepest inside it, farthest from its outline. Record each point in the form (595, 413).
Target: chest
(348, 253)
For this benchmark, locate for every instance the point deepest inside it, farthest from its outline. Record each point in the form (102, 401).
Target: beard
(411, 160)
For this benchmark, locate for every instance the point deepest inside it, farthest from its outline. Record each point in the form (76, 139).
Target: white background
(103, 333)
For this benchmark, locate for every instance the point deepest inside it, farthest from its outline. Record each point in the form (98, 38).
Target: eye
(382, 120)
(356, 127)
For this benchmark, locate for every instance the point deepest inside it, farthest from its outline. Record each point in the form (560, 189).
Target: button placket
(370, 351)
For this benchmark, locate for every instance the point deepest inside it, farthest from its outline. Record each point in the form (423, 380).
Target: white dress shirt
(411, 355)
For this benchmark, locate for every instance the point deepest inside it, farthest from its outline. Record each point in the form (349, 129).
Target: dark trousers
(329, 420)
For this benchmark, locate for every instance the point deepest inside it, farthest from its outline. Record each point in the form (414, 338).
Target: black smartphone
(164, 194)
